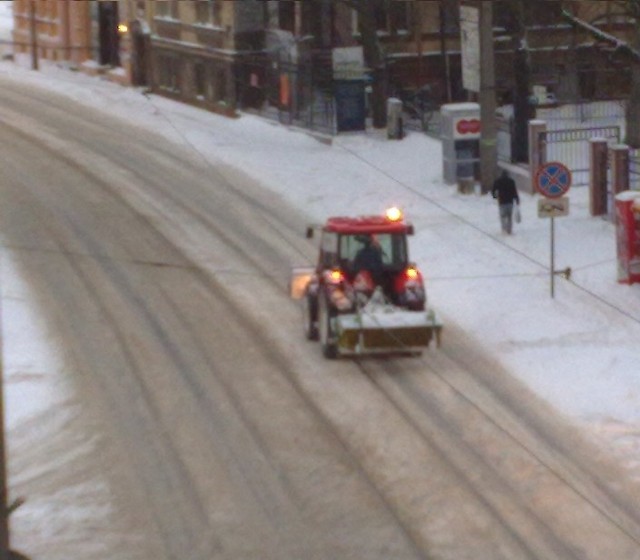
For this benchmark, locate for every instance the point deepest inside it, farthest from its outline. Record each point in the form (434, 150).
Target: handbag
(517, 214)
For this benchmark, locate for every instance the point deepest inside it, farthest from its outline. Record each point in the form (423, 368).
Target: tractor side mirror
(410, 230)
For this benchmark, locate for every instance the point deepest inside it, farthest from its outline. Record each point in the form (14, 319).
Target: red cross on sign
(553, 179)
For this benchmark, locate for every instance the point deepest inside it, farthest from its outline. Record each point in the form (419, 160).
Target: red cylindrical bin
(628, 236)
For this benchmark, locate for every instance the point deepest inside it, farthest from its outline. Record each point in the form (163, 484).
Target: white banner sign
(470, 47)
(348, 63)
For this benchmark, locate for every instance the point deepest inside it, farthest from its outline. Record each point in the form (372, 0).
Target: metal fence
(302, 92)
(293, 93)
(585, 114)
(634, 169)
(571, 147)
(504, 135)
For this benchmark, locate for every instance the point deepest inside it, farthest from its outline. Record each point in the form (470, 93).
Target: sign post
(553, 180)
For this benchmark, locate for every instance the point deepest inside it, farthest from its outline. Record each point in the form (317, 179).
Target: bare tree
(517, 18)
(628, 10)
(512, 16)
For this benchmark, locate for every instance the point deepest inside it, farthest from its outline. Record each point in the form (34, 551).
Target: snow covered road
(211, 425)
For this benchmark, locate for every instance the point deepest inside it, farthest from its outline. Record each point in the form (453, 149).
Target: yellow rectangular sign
(553, 207)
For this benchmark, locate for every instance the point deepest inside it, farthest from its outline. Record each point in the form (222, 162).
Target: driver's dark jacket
(369, 258)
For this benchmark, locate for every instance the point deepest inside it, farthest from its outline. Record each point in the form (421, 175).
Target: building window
(287, 15)
(549, 16)
(208, 12)
(200, 79)
(167, 8)
(399, 16)
(221, 85)
(390, 17)
(168, 74)
(450, 14)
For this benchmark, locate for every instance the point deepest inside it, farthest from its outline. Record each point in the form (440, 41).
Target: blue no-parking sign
(553, 179)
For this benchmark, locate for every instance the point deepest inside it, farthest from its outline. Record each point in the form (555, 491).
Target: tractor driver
(369, 257)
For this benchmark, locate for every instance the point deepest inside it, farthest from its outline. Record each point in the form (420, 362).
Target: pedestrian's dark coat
(504, 189)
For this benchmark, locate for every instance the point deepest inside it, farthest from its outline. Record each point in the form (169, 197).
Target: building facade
(562, 53)
(249, 54)
(279, 54)
(84, 34)
(57, 31)
(195, 48)
(419, 43)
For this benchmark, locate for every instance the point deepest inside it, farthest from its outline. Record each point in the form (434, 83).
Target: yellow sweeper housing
(385, 328)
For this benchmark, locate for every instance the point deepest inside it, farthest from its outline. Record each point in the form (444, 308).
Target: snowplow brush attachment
(397, 331)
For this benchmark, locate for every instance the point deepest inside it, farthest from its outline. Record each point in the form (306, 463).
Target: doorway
(108, 33)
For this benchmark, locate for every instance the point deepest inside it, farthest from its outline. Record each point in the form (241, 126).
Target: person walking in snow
(505, 191)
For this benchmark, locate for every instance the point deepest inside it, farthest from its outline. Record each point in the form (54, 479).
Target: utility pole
(34, 37)
(417, 31)
(488, 134)
(443, 50)
(4, 509)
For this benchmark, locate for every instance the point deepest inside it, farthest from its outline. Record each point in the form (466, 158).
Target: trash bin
(394, 119)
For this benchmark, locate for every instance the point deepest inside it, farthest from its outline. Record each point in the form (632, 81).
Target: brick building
(563, 55)
(194, 48)
(84, 34)
(223, 54)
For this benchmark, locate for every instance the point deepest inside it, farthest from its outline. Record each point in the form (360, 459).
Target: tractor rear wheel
(310, 316)
(325, 314)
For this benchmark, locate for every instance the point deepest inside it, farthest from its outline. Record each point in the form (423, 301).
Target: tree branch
(599, 34)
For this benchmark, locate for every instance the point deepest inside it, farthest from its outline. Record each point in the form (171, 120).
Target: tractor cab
(369, 251)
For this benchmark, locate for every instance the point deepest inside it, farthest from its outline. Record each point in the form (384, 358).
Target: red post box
(628, 236)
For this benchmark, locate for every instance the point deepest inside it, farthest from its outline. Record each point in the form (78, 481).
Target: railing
(579, 115)
(571, 147)
(288, 92)
(634, 169)
(504, 134)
